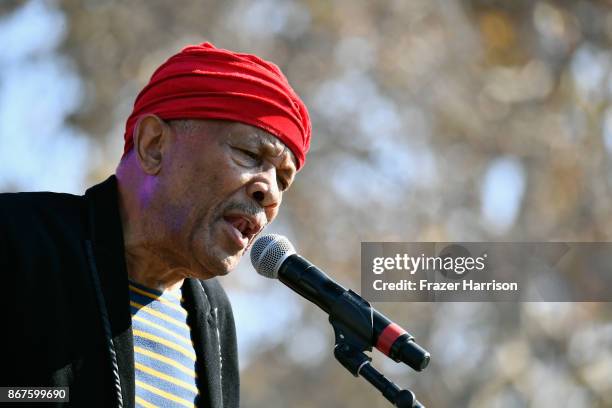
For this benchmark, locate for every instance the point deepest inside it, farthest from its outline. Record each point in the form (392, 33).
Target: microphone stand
(358, 363)
(350, 347)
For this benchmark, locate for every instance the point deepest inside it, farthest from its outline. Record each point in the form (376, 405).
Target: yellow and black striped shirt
(164, 355)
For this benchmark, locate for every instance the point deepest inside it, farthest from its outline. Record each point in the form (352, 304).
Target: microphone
(274, 257)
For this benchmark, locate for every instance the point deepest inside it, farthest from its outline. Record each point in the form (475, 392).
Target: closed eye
(249, 154)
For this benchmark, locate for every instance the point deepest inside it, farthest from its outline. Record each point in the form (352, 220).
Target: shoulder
(33, 203)
(41, 217)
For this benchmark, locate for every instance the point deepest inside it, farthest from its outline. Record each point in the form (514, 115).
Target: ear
(151, 138)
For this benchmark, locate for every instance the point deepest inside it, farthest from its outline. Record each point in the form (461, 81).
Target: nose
(264, 189)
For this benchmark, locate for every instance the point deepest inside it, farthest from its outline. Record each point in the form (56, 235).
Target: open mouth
(243, 228)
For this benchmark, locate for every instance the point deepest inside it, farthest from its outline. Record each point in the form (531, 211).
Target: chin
(213, 255)
(218, 264)
(230, 263)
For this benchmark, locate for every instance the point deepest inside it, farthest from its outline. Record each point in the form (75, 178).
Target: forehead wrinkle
(269, 143)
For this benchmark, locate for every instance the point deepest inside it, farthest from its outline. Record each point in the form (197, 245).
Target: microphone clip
(352, 320)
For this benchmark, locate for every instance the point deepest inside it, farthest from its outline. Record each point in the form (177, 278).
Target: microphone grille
(268, 252)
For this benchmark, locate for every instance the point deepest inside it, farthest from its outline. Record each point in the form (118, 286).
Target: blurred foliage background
(468, 120)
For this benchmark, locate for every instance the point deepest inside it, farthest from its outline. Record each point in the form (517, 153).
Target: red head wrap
(204, 82)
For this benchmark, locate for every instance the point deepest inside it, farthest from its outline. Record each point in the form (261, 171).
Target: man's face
(220, 183)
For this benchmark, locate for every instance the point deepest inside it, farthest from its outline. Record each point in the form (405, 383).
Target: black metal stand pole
(358, 363)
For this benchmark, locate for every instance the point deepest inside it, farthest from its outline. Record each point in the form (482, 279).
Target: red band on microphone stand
(388, 337)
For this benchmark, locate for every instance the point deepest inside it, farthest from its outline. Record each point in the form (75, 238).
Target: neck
(145, 267)
(148, 262)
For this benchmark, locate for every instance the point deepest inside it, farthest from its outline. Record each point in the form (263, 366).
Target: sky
(39, 89)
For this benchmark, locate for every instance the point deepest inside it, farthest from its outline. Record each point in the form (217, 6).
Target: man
(114, 294)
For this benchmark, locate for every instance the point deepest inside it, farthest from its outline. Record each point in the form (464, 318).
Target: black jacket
(65, 304)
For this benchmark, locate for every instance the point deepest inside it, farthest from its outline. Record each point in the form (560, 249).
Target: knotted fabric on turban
(204, 82)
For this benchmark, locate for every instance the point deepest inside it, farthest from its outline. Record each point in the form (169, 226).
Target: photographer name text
(454, 267)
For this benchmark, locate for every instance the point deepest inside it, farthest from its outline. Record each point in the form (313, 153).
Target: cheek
(184, 210)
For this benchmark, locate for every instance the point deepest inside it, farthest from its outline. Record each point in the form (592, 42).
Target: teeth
(239, 224)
